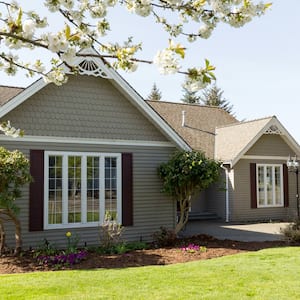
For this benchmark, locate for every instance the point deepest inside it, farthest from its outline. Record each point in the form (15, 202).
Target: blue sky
(258, 66)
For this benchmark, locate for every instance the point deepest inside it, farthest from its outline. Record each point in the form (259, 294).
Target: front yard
(265, 274)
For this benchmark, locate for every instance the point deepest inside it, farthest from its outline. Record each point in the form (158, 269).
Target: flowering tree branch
(86, 25)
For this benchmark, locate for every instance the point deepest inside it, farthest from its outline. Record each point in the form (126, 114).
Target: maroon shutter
(127, 191)
(36, 191)
(285, 185)
(253, 185)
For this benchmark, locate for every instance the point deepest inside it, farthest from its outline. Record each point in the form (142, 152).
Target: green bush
(163, 237)
(292, 232)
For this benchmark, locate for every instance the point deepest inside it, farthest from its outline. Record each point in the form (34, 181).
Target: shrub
(164, 237)
(110, 233)
(292, 232)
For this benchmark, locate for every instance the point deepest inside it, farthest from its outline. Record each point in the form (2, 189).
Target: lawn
(266, 274)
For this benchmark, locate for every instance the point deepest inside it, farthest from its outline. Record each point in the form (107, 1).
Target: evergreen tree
(155, 93)
(213, 96)
(190, 97)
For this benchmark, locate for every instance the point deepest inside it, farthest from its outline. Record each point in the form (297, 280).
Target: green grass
(267, 274)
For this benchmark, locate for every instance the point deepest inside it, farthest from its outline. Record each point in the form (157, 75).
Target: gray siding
(85, 107)
(216, 197)
(92, 108)
(270, 145)
(152, 209)
(240, 201)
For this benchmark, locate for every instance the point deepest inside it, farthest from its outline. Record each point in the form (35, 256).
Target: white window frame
(281, 204)
(83, 156)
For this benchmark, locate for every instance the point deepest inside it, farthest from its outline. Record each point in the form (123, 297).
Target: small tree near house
(185, 174)
(14, 173)
(155, 94)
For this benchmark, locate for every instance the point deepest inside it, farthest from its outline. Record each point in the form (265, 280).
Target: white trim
(22, 96)
(227, 211)
(273, 186)
(92, 141)
(83, 155)
(269, 157)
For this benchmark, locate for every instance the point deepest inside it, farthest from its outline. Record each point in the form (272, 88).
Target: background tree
(213, 96)
(14, 173)
(155, 94)
(190, 96)
(185, 174)
(86, 22)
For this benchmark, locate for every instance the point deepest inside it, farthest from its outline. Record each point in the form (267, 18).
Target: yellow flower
(68, 234)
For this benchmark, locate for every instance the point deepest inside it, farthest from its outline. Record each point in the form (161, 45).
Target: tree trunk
(184, 214)
(18, 238)
(2, 237)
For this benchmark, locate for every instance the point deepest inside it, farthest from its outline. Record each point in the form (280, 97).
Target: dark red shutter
(285, 185)
(36, 191)
(127, 190)
(253, 185)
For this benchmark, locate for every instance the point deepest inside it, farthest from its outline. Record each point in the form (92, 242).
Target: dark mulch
(161, 256)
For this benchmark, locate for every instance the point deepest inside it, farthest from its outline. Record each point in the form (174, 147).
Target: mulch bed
(161, 256)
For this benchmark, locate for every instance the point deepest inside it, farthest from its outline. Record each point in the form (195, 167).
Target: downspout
(227, 211)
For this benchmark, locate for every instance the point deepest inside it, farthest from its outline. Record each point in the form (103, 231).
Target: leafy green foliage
(186, 172)
(183, 175)
(14, 173)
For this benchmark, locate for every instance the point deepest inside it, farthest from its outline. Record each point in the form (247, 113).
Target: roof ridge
(186, 104)
(13, 87)
(247, 122)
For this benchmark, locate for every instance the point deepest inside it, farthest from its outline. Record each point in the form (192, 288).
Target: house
(95, 145)
(256, 184)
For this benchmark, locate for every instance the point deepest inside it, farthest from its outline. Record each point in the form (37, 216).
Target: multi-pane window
(269, 185)
(81, 188)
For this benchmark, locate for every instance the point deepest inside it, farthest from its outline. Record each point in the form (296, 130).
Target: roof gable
(91, 64)
(232, 142)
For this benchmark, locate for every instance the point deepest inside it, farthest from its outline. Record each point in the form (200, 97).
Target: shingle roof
(200, 122)
(8, 92)
(233, 139)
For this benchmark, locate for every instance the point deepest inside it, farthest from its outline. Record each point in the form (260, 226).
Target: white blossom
(38, 66)
(141, 8)
(57, 42)
(194, 84)
(167, 62)
(98, 11)
(205, 31)
(67, 3)
(56, 76)
(28, 28)
(9, 130)
(53, 5)
(69, 56)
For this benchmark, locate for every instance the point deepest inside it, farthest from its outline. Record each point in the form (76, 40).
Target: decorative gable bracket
(88, 66)
(273, 129)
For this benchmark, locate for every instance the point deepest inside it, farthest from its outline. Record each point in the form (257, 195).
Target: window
(81, 188)
(269, 185)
